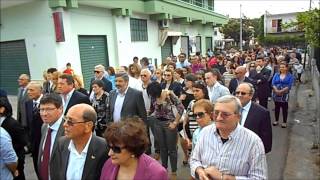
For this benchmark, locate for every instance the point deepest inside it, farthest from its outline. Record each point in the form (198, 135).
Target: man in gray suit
(80, 154)
(51, 112)
(126, 101)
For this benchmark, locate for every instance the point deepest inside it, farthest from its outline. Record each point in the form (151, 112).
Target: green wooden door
(166, 49)
(13, 62)
(209, 43)
(93, 51)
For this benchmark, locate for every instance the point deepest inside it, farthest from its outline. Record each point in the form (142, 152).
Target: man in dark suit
(261, 79)
(253, 116)
(68, 93)
(240, 77)
(51, 112)
(99, 73)
(126, 101)
(17, 133)
(34, 120)
(80, 154)
(48, 86)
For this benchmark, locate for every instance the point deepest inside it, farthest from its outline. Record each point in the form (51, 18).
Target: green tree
(310, 22)
(232, 29)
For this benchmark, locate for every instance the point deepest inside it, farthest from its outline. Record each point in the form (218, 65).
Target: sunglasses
(167, 75)
(222, 114)
(69, 121)
(116, 149)
(97, 71)
(143, 75)
(198, 115)
(242, 93)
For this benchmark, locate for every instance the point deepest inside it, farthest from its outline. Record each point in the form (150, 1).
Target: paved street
(277, 160)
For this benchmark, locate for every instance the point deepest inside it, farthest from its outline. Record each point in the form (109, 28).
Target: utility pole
(240, 28)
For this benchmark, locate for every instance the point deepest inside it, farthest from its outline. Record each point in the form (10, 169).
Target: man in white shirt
(51, 112)
(215, 89)
(80, 153)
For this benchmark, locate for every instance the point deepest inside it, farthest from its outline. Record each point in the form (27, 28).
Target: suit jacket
(46, 88)
(35, 123)
(234, 84)
(107, 85)
(96, 157)
(174, 86)
(44, 130)
(259, 121)
(148, 168)
(263, 87)
(133, 104)
(77, 98)
(17, 134)
(21, 109)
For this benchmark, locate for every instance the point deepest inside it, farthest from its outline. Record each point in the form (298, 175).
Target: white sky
(256, 8)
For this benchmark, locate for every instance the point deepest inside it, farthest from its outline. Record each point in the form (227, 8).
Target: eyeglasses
(242, 93)
(167, 75)
(143, 75)
(222, 114)
(116, 149)
(69, 121)
(199, 114)
(42, 110)
(97, 72)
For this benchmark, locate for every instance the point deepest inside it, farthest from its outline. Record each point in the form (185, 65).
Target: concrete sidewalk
(303, 160)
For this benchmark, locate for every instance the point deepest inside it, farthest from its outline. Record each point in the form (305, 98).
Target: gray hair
(35, 84)
(125, 76)
(252, 90)
(147, 71)
(231, 98)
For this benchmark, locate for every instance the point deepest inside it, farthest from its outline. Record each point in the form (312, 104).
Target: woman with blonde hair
(134, 71)
(78, 85)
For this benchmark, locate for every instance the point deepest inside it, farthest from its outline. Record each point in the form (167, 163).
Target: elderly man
(34, 119)
(68, 93)
(80, 153)
(23, 81)
(253, 116)
(226, 150)
(215, 89)
(51, 112)
(240, 77)
(126, 101)
(99, 73)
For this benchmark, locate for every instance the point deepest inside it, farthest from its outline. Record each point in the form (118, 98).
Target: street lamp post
(240, 28)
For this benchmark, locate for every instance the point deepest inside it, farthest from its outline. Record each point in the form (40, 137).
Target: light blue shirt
(218, 90)
(244, 114)
(118, 105)
(76, 161)
(242, 155)
(7, 155)
(182, 65)
(66, 102)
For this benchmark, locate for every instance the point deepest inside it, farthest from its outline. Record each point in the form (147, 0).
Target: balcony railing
(206, 4)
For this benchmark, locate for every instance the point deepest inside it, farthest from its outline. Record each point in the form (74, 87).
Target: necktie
(35, 107)
(21, 93)
(44, 167)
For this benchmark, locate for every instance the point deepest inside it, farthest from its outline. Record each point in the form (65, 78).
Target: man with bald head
(240, 77)
(254, 116)
(80, 153)
(34, 119)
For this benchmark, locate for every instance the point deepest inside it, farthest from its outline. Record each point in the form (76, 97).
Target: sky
(256, 8)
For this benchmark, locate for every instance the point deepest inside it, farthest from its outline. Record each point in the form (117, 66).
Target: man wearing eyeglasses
(254, 116)
(51, 112)
(240, 77)
(226, 150)
(80, 153)
(99, 73)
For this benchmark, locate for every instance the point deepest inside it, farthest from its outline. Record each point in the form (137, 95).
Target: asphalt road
(276, 159)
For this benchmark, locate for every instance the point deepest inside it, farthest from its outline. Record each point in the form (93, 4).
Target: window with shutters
(139, 29)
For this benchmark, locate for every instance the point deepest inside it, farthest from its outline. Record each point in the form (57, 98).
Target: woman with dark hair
(179, 77)
(281, 85)
(112, 76)
(100, 103)
(170, 84)
(128, 141)
(167, 110)
(17, 133)
(190, 124)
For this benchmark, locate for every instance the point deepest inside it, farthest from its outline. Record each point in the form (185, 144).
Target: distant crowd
(215, 106)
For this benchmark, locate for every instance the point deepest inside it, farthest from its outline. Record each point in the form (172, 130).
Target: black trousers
(284, 107)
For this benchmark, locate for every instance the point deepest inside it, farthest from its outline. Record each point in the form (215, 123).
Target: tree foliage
(310, 22)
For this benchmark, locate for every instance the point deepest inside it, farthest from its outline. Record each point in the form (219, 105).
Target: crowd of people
(214, 106)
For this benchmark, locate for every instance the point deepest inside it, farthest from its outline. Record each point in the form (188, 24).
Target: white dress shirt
(242, 155)
(118, 105)
(76, 161)
(244, 114)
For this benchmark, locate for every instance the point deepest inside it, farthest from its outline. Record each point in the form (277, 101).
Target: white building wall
(32, 22)
(286, 18)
